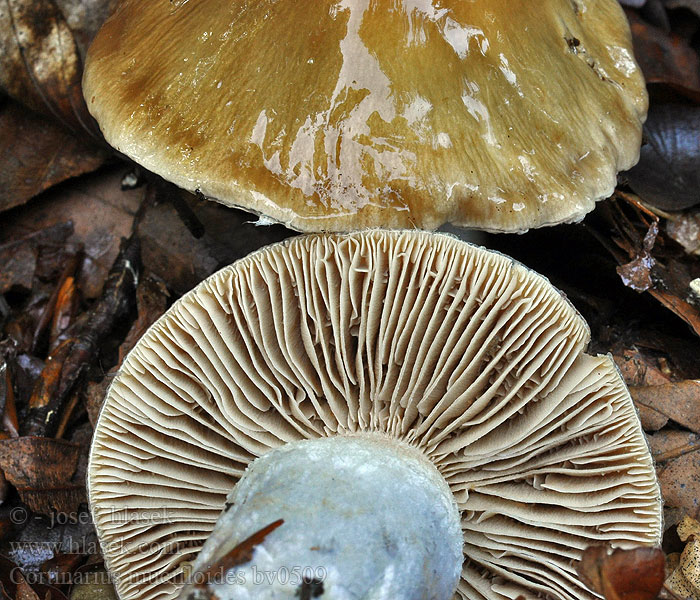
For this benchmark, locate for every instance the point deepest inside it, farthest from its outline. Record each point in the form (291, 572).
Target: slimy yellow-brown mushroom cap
(339, 115)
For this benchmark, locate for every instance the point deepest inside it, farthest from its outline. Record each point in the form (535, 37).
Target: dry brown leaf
(41, 469)
(638, 368)
(101, 214)
(636, 574)
(665, 58)
(677, 401)
(35, 154)
(151, 301)
(18, 264)
(689, 313)
(40, 64)
(678, 467)
(183, 260)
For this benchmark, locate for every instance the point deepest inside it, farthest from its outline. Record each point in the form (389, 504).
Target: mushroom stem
(364, 517)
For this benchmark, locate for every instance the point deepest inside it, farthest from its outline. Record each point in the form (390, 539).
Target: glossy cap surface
(337, 115)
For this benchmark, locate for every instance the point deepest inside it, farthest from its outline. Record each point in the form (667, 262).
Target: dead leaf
(64, 312)
(59, 569)
(40, 65)
(24, 591)
(100, 214)
(242, 553)
(638, 368)
(21, 325)
(678, 468)
(665, 58)
(36, 154)
(151, 302)
(182, 260)
(672, 272)
(41, 469)
(636, 574)
(677, 401)
(668, 173)
(8, 411)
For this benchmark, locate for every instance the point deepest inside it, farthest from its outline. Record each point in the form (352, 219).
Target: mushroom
(382, 414)
(344, 114)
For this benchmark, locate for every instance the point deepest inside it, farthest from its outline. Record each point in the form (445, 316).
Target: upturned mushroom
(386, 415)
(342, 114)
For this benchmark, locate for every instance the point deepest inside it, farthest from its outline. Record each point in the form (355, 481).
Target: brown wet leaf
(41, 469)
(182, 260)
(636, 574)
(100, 213)
(677, 401)
(678, 468)
(40, 64)
(638, 368)
(9, 426)
(36, 154)
(18, 264)
(152, 298)
(71, 259)
(668, 173)
(24, 590)
(686, 311)
(665, 58)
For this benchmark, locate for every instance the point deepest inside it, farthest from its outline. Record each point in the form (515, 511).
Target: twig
(69, 361)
